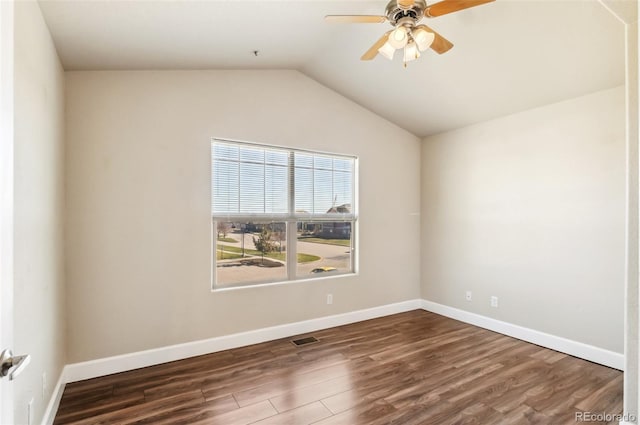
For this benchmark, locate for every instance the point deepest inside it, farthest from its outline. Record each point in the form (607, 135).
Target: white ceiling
(509, 56)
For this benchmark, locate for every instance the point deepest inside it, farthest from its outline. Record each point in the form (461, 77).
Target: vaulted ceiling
(509, 56)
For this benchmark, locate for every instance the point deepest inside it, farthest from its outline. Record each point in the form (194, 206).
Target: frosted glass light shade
(387, 50)
(423, 39)
(398, 37)
(411, 52)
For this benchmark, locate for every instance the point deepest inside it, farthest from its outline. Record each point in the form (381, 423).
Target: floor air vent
(303, 341)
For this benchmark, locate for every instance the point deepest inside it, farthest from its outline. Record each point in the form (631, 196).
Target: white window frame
(291, 220)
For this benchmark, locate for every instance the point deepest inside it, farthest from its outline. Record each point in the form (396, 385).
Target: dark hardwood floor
(409, 368)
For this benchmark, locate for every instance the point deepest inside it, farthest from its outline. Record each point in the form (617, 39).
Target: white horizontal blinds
(262, 181)
(224, 178)
(324, 186)
(249, 180)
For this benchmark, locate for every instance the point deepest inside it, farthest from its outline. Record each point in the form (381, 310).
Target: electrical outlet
(468, 296)
(30, 412)
(329, 298)
(494, 301)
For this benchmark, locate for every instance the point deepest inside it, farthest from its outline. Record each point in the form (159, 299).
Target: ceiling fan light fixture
(424, 39)
(405, 16)
(399, 37)
(387, 50)
(411, 52)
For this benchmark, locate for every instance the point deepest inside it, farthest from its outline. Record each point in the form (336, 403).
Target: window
(280, 214)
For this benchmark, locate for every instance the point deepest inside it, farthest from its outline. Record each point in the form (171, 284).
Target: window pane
(225, 187)
(225, 151)
(343, 164)
(275, 184)
(342, 188)
(249, 180)
(323, 191)
(324, 248)
(304, 190)
(251, 154)
(323, 184)
(261, 192)
(251, 188)
(303, 160)
(323, 162)
(277, 157)
(250, 253)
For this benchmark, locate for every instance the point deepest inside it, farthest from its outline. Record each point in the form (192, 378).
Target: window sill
(284, 282)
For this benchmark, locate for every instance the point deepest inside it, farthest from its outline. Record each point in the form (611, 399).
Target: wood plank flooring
(409, 368)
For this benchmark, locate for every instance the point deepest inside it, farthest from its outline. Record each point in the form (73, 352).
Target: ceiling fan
(404, 16)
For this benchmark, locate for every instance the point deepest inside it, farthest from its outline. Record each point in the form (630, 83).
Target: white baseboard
(106, 366)
(564, 345)
(94, 368)
(54, 402)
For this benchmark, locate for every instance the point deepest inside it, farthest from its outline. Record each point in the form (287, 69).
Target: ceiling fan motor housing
(408, 17)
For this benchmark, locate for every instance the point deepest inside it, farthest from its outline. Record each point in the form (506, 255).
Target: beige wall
(39, 318)
(138, 193)
(531, 208)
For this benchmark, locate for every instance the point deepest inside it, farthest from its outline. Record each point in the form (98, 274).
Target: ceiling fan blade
(355, 19)
(406, 4)
(373, 50)
(440, 44)
(450, 6)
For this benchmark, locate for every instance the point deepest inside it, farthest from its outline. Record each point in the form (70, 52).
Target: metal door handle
(11, 365)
